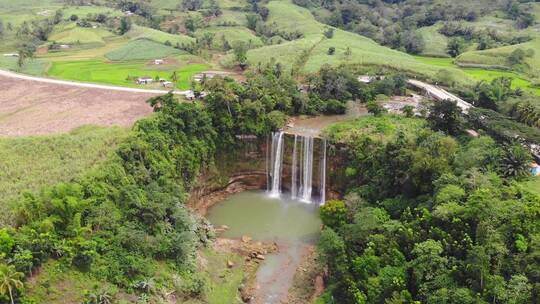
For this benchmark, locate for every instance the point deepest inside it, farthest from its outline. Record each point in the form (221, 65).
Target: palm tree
(10, 279)
(516, 160)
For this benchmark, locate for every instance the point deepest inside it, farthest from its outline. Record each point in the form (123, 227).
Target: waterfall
(276, 163)
(294, 170)
(307, 167)
(322, 180)
(302, 164)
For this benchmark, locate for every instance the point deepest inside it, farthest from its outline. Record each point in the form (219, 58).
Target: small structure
(369, 79)
(11, 55)
(158, 61)
(145, 80)
(167, 84)
(472, 133)
(64, 46)
(210, 75)
(129, 13)
(535, 169)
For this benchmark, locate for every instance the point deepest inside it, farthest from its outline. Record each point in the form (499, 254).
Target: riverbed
(291, 224)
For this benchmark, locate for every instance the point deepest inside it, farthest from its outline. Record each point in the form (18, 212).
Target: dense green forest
(431, 218)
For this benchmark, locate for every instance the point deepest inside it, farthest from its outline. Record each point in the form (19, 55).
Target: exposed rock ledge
(204, 197)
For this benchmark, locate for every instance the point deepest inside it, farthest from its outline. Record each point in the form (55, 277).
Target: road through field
(87, 85)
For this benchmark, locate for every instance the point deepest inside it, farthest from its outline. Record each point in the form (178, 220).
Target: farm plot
(142, 49)
(35, 108)
(121, 73)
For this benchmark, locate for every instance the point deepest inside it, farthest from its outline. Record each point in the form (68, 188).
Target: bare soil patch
(37, 108)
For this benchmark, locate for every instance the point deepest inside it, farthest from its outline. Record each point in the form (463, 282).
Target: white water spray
(301, 167)
(276, 163)
(322, 180)
(307, 174)
(294, 170)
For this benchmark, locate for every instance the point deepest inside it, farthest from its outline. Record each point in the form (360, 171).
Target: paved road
(88, 85)
(440, 94)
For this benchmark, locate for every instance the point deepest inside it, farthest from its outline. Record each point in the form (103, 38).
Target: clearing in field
(122, 73)
(35, 108)
(480, 74)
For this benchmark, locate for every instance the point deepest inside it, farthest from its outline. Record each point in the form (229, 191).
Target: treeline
(433, 219)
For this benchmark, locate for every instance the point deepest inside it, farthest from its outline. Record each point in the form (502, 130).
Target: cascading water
(294, 170)
(276, 163)
(307, 174)
(322, 179)
(301, 167)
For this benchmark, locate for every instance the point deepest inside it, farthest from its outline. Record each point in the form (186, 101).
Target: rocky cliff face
(244, 167)
(241, 168)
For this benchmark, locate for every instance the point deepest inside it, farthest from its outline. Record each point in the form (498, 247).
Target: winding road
(89, 85)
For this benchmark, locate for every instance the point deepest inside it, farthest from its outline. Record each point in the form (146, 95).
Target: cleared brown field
(35, 108)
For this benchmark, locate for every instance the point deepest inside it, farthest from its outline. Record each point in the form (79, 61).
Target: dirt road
(36, 106)
(8, 74)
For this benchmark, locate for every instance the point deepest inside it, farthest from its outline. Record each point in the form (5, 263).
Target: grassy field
(142, 49)
(141, 32)
(73, 34)
(383, 128)
(533, 185)
(32, 67)
(290, 17)
(19, 4)
(483, 74)
(435, 43)
(231, 34)
(31, 163)
(99, 71)
(499, 56)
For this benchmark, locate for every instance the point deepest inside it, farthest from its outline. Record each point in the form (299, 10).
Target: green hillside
(73, 34)
(289, 17)
(141, 32)
(435, 43)
(142, 49)
(500, 57)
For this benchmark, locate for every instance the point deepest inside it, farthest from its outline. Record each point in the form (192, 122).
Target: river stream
(292, 224)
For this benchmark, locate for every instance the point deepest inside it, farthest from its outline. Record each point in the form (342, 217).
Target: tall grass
(30, 163)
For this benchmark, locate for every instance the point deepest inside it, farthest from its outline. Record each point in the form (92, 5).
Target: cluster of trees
(431, 219)
(498, 95)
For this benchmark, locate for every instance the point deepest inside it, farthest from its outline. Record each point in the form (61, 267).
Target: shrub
(333, 214)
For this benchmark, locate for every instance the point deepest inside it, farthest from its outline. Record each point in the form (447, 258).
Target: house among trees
(145, 80)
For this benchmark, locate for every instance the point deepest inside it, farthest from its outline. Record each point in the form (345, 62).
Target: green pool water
(255, 214)
(293, 225)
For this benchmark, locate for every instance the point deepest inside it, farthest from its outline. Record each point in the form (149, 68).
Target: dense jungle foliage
(431, 218)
